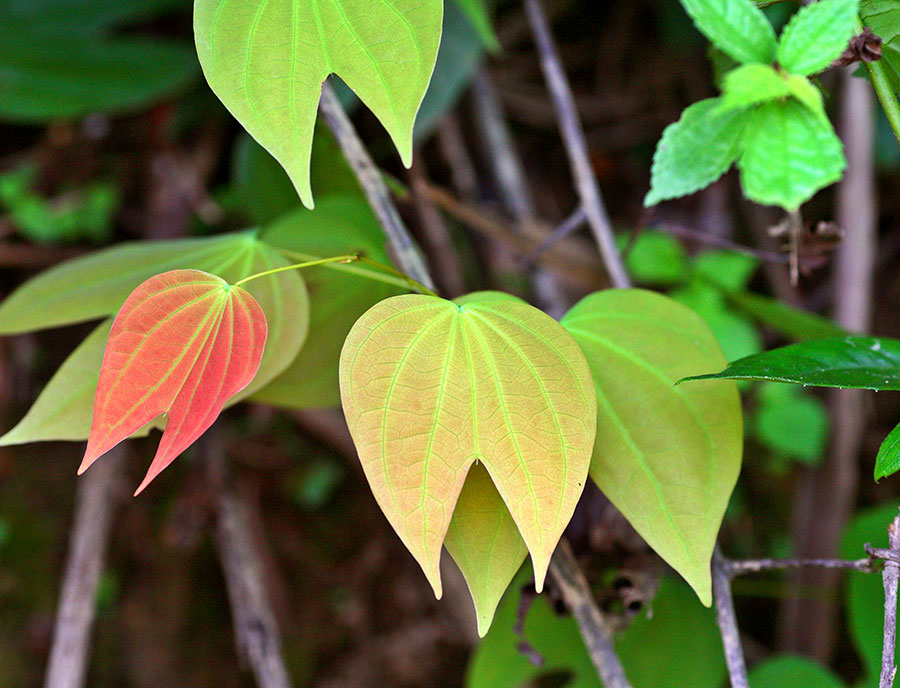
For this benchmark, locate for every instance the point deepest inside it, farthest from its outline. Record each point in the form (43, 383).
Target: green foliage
(655, 258)
(479, 15)
(787, 671)
(788, 154)
(677, 647)
(668, 457)
(864, 591)
(62, 59)
(791, 423)
(883, 17)
(751, 84)
(817, 35)
(430, 386)
(736, 27)
(887, 461)
(384, 51)
(784, 319)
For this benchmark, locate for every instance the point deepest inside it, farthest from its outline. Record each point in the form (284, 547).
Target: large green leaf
(678, 646)
(737, 27)
(789, 154)
(267, 65)
(865, 594)
(339, 294)
(668, 457)
(817, 35)
(787, 671)
(851, 361)
(695, 151)
(429, 387)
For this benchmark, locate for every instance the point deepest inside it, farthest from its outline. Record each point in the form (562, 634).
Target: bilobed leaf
(267, 64)
(429, 387)
(695, 151)
(849, 362)
(787, 671)
(888, 460)
(339, 294)
(485, 543)
(667, 457)
(789, 154)
(183, 343)
(736, 27)
(817, 35)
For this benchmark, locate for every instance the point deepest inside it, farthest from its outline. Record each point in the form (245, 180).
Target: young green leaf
(888, 460)
(789, 154)
(429, 387)
(849, 362)
(666, 457)
(267, 65)
(485, 543)
(182, 344)
(751, 84)
(737, 27)
(695, 151)
(817, 35)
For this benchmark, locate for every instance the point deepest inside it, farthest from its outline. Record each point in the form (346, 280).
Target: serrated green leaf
(668, 460)
(485, 543)
(791, 423)
(694, 151)
(817, 35)
(339, 295)
(787, 671)
(736, 27)
(789, 154)
(678, 646)
(478, 14)
(268, 65)
(864, 591)
(888, 460)
(751, 84)
(848, 362)
(430, 386)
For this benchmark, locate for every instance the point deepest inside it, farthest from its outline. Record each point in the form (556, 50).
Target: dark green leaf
(888, 460)
(849, 362)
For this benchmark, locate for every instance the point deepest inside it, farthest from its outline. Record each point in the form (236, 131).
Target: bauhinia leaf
(737, 27)
(789, 154)
(668, 457)
(429, 387)
(817, 35)
(695, 151)
(888, 460)
(267, 64)
(849, 362)
(182, 344)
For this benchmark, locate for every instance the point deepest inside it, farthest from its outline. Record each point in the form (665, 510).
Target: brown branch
(890, 577)
(744, 566)
(576, 145)
(725, 617)
(98, 495)
(405, 251)
(595, 629)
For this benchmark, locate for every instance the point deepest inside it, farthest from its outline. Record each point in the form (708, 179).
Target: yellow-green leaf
(668, 457)
(429, 387)
(267, 62)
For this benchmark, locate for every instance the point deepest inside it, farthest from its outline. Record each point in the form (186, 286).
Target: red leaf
(183, 343)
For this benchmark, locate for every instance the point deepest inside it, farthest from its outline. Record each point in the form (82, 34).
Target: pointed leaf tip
(183, 343)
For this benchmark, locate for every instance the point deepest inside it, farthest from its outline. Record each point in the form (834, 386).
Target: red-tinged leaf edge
(183, 343)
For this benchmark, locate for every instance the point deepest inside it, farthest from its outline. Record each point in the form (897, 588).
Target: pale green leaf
(789, 154)
(694, 151)
(751, 84)
(806, 92)
(267, 63)
(485, 543)
(339, 294)
(737, 27)
(429, 387)
(817, 35)
(666, 457)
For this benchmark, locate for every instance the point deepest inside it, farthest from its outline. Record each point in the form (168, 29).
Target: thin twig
(404, 248)
(745, 566)
(98, 494)
(256, 633)
(595, 630)
(576, 145)
(572, 223)
(891, 577)
(725, 616)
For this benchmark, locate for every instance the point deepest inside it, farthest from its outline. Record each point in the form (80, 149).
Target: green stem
(298, 266)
